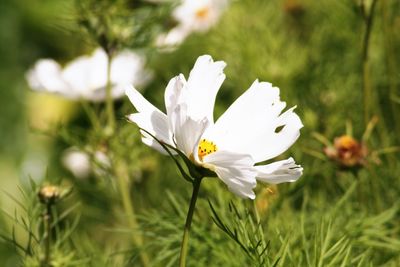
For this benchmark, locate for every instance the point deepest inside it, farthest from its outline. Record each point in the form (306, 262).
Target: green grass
(310, 49)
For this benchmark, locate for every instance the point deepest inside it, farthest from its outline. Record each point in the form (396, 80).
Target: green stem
(366, 85)
(124, 188)
(91, 114)
(109, 98)
(47, 225)
(185, 239)
(390, 61)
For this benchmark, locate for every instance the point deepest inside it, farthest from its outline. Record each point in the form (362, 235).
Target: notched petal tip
(205, 58)
(208, 60)
(295, 120)
(264, 85)
(279, 172)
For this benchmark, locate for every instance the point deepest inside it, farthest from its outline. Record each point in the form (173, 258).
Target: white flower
(192, 16)
(86, 76)
(79, 162)
(253, 129)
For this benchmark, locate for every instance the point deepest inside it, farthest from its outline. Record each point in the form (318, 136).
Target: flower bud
(347, 151)
(49, 194)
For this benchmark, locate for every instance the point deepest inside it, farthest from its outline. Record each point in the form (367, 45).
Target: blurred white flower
(252, 130)
(86, 76)
(81, 165)
(192, 16)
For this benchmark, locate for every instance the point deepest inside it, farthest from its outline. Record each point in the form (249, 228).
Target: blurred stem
(124, 188)
(91, 114)
(189, 217)
(366, 84)
(109, 98)
(390, 60)
(47, 234)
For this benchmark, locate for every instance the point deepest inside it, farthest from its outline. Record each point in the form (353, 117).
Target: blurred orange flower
(347, 151)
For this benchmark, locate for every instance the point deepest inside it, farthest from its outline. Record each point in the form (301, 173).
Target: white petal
(149, 118)
(86, 73)
(46, 76)
(203, 84)
(173, 38)
(97, 64)
(128, 68)
(249, 125)
(87, 76)
(174, 95)
(118, 90)
(279, 172)
(187, 131)
(154, 123)
(235, 170)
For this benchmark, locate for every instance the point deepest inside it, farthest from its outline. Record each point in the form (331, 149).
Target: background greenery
(312, 50)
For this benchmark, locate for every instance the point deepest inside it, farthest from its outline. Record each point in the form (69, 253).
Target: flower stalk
(189, 218)
(122, 176)
(388, 31)
(109, 99)
(91, 114)
(368, 16)
(48, 195)
(47, 223)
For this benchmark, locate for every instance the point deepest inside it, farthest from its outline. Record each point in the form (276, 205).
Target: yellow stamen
(203, 12)
(205, 148)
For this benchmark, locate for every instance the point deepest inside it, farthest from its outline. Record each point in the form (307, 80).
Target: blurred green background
(311, 50)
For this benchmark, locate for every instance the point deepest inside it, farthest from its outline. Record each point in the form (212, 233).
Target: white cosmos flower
(253, 129)
(86, 76)
(192, 16)
(80, 164)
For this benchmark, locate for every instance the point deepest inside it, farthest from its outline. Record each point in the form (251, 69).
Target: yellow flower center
(205, 148)
(203, 12)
